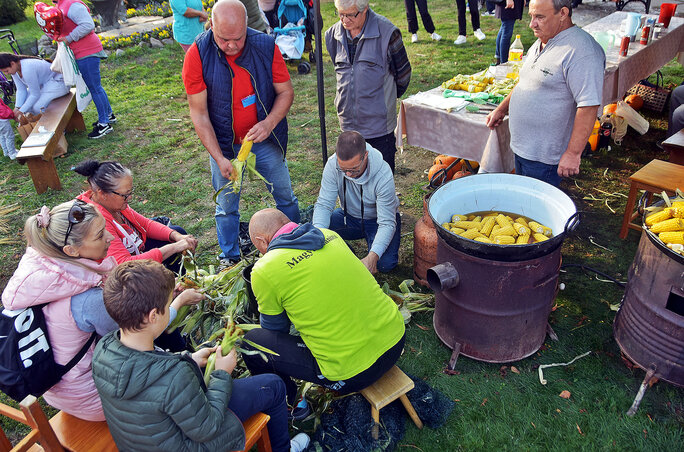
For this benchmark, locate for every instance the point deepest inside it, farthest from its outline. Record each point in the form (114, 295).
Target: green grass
(495, 408)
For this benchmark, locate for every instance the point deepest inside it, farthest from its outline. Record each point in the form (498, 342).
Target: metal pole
(319, 76)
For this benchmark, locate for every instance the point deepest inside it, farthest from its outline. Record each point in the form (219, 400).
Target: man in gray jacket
(363, 182)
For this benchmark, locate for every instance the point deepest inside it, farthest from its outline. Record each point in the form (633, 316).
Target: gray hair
(346, 4)
(558, 4)
(104, 176)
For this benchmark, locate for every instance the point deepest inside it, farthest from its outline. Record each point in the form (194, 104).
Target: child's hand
(187, 297)
(227, 362)
(201, 355)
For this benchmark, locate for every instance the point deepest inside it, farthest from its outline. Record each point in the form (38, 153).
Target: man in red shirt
(239, 89)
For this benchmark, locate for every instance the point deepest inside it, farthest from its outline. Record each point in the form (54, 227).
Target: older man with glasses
(358, 176)
(372, 70)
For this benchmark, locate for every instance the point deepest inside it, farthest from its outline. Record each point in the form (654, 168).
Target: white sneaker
(479, 35)
(13, 155)
(460, 40)
(414, 37)
(299, 442)
(435, 37)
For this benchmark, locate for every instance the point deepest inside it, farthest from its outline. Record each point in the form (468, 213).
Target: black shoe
(111, 120)
(100, 130)
(300, 413)
(227, 263)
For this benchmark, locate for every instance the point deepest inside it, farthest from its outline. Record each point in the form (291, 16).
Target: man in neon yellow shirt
(351, 331)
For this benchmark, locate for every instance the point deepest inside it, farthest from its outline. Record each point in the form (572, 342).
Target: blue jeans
(263, 393)
(353, 231)
(503, 40)
(537, 170)
(270, 164)
(90, 69)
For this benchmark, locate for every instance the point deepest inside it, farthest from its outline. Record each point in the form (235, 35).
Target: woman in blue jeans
(508, 11)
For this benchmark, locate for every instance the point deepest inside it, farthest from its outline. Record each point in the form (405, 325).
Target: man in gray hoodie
(363, 182)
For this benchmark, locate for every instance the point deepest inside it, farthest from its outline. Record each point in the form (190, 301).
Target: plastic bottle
(516, 50)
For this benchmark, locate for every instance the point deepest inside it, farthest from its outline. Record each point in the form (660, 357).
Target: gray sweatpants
(7, 138)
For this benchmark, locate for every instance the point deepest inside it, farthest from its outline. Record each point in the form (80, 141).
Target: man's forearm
(281, 106)
(585, 117)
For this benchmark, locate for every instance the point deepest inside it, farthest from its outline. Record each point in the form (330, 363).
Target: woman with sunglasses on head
(64, 265)
(135, 236)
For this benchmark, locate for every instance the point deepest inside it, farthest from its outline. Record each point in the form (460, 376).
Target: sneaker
(224, 262)
(110, 120)
(460, 40)
(299, 442)
(301, 411)
(100, 130)
(479, 35)
(435, 37)
(13, 155)
(414, 37)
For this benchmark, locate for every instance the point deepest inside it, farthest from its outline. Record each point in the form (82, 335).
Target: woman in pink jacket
(64, 266)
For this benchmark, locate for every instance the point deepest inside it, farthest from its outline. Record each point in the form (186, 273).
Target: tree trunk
(109, 11)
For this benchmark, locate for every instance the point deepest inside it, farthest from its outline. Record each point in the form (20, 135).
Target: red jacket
(146, 229)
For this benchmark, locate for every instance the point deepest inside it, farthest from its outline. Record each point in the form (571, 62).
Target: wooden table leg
(44, 174)
(629, 208)
(375, 414)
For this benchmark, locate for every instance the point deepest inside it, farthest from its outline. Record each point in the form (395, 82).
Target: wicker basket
(654, 96)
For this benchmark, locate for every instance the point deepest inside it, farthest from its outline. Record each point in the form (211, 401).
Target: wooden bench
(675, 146)
(655, 177)
(60, 116)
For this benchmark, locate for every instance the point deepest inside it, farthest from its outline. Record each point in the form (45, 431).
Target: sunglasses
(126, 196)
(76, 216)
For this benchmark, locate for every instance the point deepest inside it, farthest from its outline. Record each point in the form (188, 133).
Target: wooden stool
(655, 177)
(257, 433)
(392, 386)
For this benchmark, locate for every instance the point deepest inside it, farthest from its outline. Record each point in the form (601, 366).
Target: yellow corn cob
(471, 234)
(539, 237)
(467, 224)
(673, 224)
(477, 218)
(509, 218)
(457, 217)
(457, 231)
(672, 237)
(494, 229)
(487, 225)
(504, 240)
(508, 230)
(446, 225)
(677, 212)
(657, 217)
(540, 228)
(678, 204)
(471, 217)
(520, 229)
(502, 220)
(483, 239)
(521, 220)
(523, 239)
(245, 150)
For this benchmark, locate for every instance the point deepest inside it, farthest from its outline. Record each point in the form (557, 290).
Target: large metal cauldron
(493, 301)
(649, 326)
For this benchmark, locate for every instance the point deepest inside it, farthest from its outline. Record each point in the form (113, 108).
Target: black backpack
(27, 365)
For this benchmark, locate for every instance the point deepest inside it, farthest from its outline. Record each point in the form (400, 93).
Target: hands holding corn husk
(245, 162)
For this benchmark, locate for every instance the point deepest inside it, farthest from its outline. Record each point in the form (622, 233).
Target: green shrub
(12, 11)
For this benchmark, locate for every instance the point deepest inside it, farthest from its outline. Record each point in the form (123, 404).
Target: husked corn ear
(457, 230)
(677, 212)
(487, 225)
(504, 240)
(672, 237)
(676, 247)
(446, 225)
(471, 234)
(458, 217)
(540, 228)
(494, 229)
(673, 224)
(523, 239)
(477, 218)
(467, 224)
(245, 150)
(521, 220)
(657, 217)
(678, 204)
(538, 237)
(520, 229)
(508, 230)
(502, 220)
(483, 239)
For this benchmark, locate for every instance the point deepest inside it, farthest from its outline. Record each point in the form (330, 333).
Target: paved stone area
(141, 24)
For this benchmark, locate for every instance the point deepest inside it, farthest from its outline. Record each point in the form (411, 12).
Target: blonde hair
(49, 240)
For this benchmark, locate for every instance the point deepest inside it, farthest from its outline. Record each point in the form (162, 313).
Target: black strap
(344, 202)
(79, 356)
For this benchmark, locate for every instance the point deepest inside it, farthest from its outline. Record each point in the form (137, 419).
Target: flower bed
(161, 9)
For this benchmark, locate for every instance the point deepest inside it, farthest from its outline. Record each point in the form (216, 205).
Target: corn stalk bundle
(245, 162)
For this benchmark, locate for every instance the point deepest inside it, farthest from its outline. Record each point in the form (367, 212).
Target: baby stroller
(293, 37)
(31, 48)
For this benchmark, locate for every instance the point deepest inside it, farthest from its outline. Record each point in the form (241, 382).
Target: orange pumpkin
(444, 159)
(609, 109)
(460, 174)
(635, 101)
(433, 170)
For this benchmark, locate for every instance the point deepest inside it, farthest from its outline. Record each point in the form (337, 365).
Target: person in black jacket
(508, 11)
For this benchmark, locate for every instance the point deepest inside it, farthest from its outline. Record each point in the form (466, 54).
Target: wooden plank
(44, 174)
(660, 175)
(388, 388)
(81, 435)
(256, 432)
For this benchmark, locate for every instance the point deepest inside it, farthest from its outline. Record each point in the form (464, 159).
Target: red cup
(667, 10)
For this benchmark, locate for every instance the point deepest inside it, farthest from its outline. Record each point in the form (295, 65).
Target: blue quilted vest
(256, 58)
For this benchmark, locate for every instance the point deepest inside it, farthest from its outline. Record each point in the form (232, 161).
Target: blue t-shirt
(186, 29)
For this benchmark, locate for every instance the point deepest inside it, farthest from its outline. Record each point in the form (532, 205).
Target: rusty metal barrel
(424, 245)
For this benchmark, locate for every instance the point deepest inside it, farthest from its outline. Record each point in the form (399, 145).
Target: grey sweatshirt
(379, 197)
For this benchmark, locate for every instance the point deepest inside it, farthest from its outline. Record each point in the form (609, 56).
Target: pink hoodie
(39, 279)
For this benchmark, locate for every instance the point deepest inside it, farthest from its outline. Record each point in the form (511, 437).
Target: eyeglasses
(76, 215)
(348, 16)
(126, 196)
(354, 170)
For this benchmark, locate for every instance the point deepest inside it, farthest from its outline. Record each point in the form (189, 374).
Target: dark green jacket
(157, 401)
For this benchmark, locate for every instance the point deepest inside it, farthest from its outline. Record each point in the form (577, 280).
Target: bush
(12, 12)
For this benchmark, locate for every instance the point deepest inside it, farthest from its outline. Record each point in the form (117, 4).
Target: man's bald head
(263, 225)
(229, 24)
(228, 10)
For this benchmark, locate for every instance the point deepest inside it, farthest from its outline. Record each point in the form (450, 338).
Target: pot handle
(572, 222)
(442, 277)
